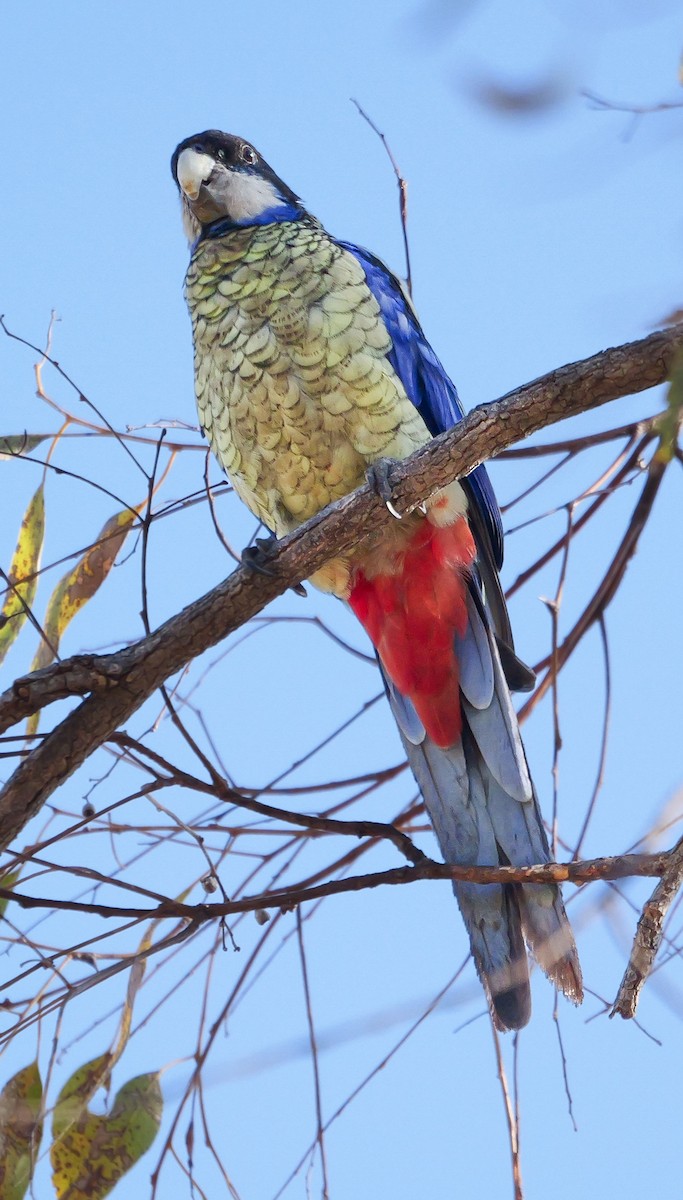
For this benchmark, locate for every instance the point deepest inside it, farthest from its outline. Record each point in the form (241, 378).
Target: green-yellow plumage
(293, 384)
(298, 395)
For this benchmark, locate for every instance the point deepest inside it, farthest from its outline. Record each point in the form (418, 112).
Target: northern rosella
(310, 366)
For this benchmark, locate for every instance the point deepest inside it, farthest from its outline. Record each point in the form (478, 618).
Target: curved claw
(378, 476)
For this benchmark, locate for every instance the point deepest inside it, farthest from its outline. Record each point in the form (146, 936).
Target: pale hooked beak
(193, 169)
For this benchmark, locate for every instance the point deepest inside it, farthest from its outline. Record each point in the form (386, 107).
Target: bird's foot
(256, 557)
(378, 476)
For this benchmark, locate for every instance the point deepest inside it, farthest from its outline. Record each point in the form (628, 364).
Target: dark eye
(247, 155)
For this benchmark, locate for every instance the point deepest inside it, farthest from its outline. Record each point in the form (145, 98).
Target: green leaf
(91, 1153)
(23, 572)
(13, 445)
(7, 881)
(78, 1090)
(670, 420)
(21, 1129)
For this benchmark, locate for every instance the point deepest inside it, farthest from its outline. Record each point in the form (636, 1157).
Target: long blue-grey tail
(484, 810)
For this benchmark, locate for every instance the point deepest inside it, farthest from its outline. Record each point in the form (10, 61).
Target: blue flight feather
(426, 382)
(478, 793)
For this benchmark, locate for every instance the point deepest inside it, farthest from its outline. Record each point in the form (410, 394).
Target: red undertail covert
(412, 614)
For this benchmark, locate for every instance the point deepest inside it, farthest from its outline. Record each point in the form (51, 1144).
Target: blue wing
(431, 391)
(478, 792)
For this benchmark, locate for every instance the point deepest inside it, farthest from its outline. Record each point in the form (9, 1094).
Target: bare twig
(649, 935)
(511, 1116)
(143, 667)
(588, 871)
(563, 1058)
(320, 1127)
(627, 468)
(46, 358)
(402, 191)
(608, 587)
(604, 739)
(554, 607)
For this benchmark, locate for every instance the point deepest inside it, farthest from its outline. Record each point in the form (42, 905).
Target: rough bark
(116, 685)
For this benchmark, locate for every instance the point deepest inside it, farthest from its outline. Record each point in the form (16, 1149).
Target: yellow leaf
(77, 587)
(7, 881)
(670, 420)
(135, 978)
(91, 1153)
(21, 1128)
(23, 572)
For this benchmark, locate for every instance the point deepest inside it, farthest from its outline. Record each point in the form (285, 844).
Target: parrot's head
(222, 178)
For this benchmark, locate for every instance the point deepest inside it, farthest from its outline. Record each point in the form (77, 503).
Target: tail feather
(437, 617)
(474, 659)
(550, 939)
(455, 797)
(484, 811)
(496, 733)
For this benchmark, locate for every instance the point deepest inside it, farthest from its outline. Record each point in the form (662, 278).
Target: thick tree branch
(120, 683)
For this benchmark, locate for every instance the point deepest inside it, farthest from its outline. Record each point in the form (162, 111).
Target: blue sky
(536, 239)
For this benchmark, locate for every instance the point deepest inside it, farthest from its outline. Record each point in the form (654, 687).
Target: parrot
(311, 371)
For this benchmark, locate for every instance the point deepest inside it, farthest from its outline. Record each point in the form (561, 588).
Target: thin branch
(608, 587)
(554, 607)
(607, 712)
(628, 466)
(637, 110)
(45, 357)
(380, 1066)
(402, 191)
(589, 871)
(511, 1117)
(320, 1126)
(574, 445)
(563, 1059)
(316, 824)
(139, 670)
(649, 935)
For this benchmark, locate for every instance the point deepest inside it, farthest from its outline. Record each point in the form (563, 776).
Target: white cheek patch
(248, 196)
(191, 225)
(193, 169)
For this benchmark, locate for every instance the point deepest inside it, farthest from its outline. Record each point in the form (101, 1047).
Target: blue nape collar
(271, 216)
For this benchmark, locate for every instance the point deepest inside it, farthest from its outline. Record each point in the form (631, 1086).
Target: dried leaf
(23, 572)
(80, 583)
(91, 1153)
(135, 978)
(77, 587)
(21, 1128)
(13, 445)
